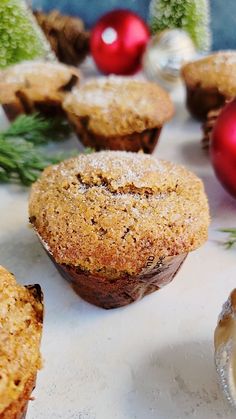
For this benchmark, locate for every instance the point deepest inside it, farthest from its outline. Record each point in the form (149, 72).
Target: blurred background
(223, 14)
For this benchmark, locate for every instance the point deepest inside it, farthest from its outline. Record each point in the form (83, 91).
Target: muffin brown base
(18, 408)
(200, 101)
(136, 141)
(52, 107)
(113, 293)
(24, 106)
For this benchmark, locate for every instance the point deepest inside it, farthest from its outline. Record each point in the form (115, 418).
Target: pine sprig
(21, 158)
(38, 130)
(231, 240)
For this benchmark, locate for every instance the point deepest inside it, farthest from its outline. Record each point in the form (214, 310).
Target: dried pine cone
(67, 36)
(208, 126)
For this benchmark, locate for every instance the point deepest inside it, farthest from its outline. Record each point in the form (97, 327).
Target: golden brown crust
(117, 106)
(18, 408)
(21, 312)
(25, 86)
(216, 71)
(108, 212)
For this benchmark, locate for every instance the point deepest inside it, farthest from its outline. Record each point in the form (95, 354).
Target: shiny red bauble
(223, 147)
(118, 41)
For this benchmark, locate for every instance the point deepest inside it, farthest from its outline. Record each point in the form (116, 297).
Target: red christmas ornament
(118, 41)
(223, 147)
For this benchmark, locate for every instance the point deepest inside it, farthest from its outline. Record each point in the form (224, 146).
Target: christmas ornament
(190, 15)
(66, 35)
(225, 349)
(165, 54)
(21, 38)
(223, 147)
(118, 41)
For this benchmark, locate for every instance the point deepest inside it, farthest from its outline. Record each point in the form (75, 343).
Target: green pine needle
(21, 158)
(37, 129)
(191, 15)
(231, 240)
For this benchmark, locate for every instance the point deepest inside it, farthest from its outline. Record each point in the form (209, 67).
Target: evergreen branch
(231, 240)
(21, 161)
(37, 129)
(21, 158)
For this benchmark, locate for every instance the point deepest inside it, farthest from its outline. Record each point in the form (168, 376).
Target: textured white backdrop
(151, 360)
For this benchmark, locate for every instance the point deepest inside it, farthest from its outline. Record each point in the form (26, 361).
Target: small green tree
(20, 37)
(191, 15)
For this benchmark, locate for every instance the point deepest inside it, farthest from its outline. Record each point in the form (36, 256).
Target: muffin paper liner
(112, 293)
(145, 140)
(23, 105)
(200, 101)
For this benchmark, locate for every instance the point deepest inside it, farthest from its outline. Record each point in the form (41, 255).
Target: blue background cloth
(223, 14)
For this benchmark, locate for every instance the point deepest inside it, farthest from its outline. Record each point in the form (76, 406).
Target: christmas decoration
(231, 240)
(21, 159)
(165, 54)
(208, 126)
(225, 349)
(223, 147)
(190, 15)
(66, 35)
(118, 41)
(20, 37)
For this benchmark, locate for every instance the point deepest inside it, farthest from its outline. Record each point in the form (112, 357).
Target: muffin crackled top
(107, 212)
(217, 70)
(120, 106)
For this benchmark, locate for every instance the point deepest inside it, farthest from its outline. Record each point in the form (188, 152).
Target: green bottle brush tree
(20, 36)
(191, 15)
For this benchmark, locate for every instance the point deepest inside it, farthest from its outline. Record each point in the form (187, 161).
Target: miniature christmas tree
(191, 15)
(20, 37)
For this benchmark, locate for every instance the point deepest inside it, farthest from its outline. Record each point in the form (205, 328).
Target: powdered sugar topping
(19, 72)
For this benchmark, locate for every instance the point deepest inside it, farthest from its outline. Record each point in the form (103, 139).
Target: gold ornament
(166, 52)
(225, 349)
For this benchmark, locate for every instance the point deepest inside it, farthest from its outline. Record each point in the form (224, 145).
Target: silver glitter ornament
(166, 52)
(225, 349)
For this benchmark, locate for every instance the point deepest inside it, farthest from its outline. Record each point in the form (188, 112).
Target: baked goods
(119, 113)
(225, 348)
(36, 87)
(21, 317)
(210, 81)
(117, 224)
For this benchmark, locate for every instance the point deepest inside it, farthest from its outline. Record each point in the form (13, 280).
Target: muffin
(36, 87)
(21, 318)
(210, 82)
(225, 348)
(118, 113)
(118, 224)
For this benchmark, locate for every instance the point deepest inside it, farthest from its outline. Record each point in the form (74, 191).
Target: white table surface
(152, 359)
